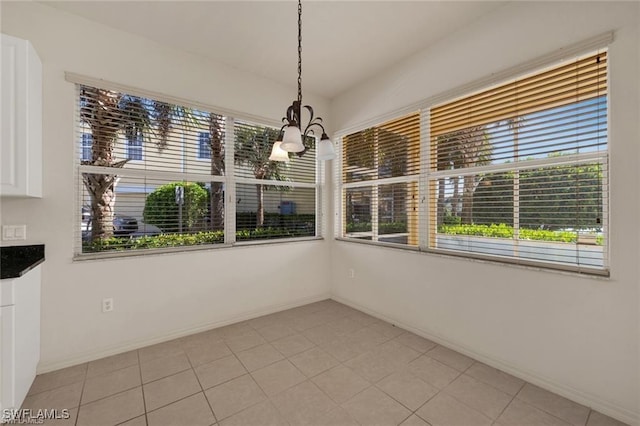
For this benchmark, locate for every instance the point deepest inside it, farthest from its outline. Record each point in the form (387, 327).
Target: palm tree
(107, 113)
(252, 149)
(459, 149)
(216, 194)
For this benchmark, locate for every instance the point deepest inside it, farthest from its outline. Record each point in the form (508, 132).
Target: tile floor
(319, 364)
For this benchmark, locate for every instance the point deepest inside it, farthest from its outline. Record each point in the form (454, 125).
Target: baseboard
(584, 398)
(94, 355)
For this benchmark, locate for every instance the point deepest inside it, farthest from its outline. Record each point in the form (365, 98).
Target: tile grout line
(81, 392)
(215, 418)
(506, 406)
(541, 409)
(144, 400)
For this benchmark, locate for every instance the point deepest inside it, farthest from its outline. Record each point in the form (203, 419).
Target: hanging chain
(300, 51)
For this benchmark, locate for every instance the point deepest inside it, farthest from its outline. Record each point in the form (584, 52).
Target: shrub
(383, 227)
(506, 231)
(194, 239)
(272, 233)
(160, 207)
(358, 226)
(247, 221)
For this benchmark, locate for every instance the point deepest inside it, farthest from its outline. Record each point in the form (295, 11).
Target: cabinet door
(7, 357)
(10, 84)
(20, 119)
(26, 333)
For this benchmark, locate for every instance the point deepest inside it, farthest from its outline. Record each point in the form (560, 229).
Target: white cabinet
(19, 337)
(20, 119)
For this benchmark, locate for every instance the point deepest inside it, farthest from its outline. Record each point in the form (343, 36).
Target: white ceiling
(344, 42)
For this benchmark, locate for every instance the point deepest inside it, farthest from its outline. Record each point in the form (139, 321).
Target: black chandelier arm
(293, 115)
(313, 122)
(309, 129)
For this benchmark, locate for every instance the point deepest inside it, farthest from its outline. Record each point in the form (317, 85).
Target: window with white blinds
(380, 173)
(273, 199)
(519, 171)
(515, 173)
(155, 175)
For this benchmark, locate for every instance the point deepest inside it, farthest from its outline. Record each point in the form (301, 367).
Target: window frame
(426, 174)
(227, 179)
(410, 178)
(239, 179)
(204, 154)
(136, 146)
(86, 146)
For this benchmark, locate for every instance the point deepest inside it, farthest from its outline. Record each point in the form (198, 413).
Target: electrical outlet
(352, 273)
(107, 305)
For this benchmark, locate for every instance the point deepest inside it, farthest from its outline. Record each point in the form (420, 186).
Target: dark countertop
(15, 261)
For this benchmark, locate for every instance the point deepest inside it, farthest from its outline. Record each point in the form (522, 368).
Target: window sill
(598, 274)
(183, 249)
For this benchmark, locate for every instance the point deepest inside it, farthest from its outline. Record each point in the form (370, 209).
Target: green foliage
(160, 207)
(358, 226)
(450, 219)
(272, 233)
(383, 227)
(253, 147)
(497, 231)
(155, 241)
(194, 239)
(506, 231)
(558, 188)
(247, 221)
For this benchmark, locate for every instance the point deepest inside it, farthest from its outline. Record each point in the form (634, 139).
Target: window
(516, 173)
(204, 146)
(134, 148)
(380, 173)
(170, 197)
(87, 144)
(273, 199)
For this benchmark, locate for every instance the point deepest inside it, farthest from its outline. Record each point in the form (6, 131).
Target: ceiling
(344, 42)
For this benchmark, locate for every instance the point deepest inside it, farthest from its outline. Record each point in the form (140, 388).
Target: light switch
(20, 232)
(8, 233)
(14, 232)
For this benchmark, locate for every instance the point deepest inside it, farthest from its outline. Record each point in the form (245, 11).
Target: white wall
(575, 335)
(164, 295)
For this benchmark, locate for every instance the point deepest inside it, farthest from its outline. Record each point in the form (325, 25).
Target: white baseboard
(605, 407)
(175, 334)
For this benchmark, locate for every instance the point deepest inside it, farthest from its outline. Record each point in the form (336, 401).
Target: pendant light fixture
(292, 133)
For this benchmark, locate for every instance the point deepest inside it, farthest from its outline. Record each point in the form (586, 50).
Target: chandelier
(292, 133)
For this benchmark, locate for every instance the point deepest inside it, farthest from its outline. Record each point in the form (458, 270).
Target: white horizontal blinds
(520, 170)
(149, 134)
(273, 199)
(146, 216)
(380, 173)
(253, 144)
(272, 211)
(358, 213)
(155, 167)
(573, 82)
(384, 151)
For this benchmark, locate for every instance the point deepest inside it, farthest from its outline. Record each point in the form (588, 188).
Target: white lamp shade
(292, 140)
(278, 154)
(325, 150)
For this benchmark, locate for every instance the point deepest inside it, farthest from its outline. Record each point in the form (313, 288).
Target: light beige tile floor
(319, 364)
